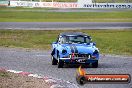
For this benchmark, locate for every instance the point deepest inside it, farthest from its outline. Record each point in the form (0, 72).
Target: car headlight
(64, 51)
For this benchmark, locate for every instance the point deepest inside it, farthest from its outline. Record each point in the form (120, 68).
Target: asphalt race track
(39, 62)
(65, 25)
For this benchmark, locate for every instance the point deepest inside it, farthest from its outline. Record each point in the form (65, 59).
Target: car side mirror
(88, 43)
(54, 43)
(94, 43)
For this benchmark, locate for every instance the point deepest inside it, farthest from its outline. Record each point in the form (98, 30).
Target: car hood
(79, 48)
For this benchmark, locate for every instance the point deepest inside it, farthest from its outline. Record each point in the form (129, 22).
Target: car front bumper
(78, 61)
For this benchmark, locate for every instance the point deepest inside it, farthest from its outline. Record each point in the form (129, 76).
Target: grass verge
(42, 15)
(108, 41)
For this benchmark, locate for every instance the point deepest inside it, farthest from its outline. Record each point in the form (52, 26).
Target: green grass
(60, 0)
(108, 41)
(33, 15)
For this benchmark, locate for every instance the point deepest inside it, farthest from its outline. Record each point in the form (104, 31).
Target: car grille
(80, 56)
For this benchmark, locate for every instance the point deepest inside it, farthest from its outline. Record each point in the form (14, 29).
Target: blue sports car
(74, 48)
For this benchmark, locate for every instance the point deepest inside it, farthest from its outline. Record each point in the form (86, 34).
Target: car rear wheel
(95, 64)
(60, 63)
(54, 61)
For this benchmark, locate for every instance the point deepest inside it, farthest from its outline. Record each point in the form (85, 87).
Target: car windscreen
(75, 39)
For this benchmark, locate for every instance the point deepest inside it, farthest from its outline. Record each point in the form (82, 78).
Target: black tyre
(95, 65)
(60, 63)
(54, 61)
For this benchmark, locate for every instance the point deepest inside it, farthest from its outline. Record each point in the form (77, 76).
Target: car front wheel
(60, 63)
(54, 61)
(95, 65)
